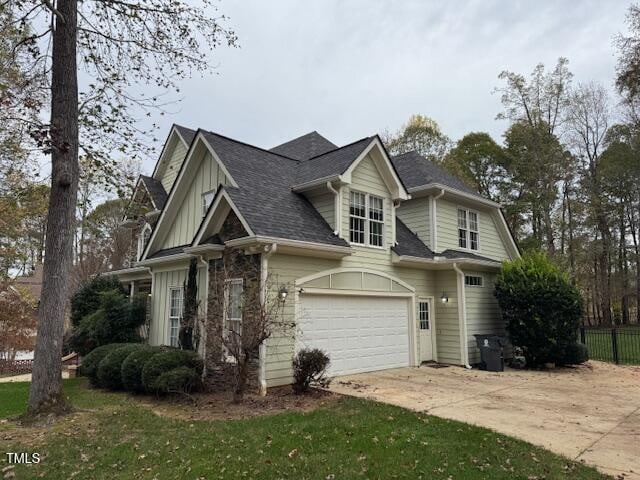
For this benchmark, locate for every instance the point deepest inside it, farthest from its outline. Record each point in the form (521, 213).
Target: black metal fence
(613, 344)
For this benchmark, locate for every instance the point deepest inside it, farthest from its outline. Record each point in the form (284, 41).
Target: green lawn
(599, 342)
(116, 437)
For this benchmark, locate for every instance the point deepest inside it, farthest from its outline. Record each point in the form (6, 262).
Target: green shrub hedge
(109, 369)
(90, 363)
(166, 361)
(86, 300)
(177, 380)
(131, 371)
(541, 307)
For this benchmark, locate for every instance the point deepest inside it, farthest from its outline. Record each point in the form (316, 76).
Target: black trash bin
(491, 352)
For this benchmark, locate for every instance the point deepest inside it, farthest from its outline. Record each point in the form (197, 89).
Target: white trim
(166, 259)
(454, 191)
(205, 206)
(511, 243)
(173, 131)
(302, 280)
(262, 352)
(237, 242)
(356, 293)
(170, 317)
(367, 220)
(318, 182)
(397, 188)
(446, 261)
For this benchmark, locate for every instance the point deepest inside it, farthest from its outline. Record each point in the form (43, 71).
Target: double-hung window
(366, 219)
(207, 198)
(143, 239)
(176, 311)
(468, 234)
(234, 293)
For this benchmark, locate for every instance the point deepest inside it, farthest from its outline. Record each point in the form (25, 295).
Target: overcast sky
(350, 68)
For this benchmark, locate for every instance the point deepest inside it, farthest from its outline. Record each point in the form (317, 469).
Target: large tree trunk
(45, 394)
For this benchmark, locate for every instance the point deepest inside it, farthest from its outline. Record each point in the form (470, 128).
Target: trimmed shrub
(541, 307)
(116, 321)
(131, 371)
(90, 363)
(309, 368)
(86, 300)
(575, 354)
(109, 369)
(177, 380)
(164, 362)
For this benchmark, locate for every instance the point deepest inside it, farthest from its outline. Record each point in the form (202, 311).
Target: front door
(425, 325)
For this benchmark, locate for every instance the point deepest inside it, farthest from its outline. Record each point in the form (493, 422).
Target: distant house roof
(305, 147)
(156, 190)
(416, 171)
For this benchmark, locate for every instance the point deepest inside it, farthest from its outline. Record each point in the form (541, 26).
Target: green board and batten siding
(178, 152)
(208, 177)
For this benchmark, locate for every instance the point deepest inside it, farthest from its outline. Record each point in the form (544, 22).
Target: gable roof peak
(305, 146)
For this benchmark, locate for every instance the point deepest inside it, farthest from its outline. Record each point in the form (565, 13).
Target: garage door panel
(359, 333)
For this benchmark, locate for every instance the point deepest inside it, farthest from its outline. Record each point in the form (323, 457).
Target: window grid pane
(473, 280)
(424, 315)
(357, 219)
(233, 322)
(462, 219)
(473, 240)
(462, 238)
(375, 233)
(473, 221)
(175, 315)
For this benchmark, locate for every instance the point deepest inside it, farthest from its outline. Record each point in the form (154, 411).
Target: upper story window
(468, 236)
(366, 219)
(207, 198)
(143, 239)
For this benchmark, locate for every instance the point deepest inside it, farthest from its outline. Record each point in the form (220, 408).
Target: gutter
(318, 182)
(460, 193)
(462, 316)
(289, 243)
(262, 351)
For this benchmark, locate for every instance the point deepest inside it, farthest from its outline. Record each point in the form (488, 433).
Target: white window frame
(367, 220)
(142, 243)
(424, 301)
(466, 284)
(210, 195)
(468, 231)
(174, 340)
(227, 308)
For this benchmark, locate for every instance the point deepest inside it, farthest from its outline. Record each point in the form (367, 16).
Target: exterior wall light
(282, 293)
(444, 298)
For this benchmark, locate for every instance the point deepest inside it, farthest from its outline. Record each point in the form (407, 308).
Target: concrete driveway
(590, 413)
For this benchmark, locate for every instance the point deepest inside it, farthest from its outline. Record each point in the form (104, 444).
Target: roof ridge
(338, 148)
(249, 145)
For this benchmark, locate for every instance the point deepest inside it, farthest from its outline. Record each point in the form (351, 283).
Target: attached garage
(360, 333)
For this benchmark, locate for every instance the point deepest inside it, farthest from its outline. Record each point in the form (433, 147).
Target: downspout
(395, 206)
(434, 220)
(336, 208)
(462, 315)
(262, 351)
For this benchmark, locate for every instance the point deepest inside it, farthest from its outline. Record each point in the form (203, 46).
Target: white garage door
(360, 334)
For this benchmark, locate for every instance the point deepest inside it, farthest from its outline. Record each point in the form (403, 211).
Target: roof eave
(293, 247)
(438, 186)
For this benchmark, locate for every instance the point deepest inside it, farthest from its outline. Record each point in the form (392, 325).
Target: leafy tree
(17, 320)
(541, 307)
(116, 43)
(421, 134)
(628, 68)
(479, 160)
(87, 298)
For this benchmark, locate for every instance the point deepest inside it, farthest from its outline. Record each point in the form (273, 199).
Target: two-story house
(391, 260)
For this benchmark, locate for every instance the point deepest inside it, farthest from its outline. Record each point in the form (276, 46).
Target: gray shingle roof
(305, 147)
(415, 171)
(460, 254)
(331, 163)
(187, 134)
(156, 190)
(409, 243)
(167, 252)
(264, 196)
